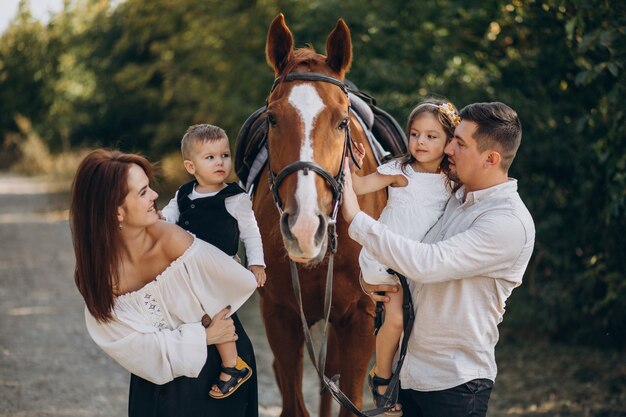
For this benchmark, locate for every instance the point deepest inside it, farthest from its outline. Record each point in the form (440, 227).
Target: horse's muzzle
(305, 244)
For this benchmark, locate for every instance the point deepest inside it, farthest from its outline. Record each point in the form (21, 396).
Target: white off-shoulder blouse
(156, 331)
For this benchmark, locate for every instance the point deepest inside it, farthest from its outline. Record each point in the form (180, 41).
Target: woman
(147, 286)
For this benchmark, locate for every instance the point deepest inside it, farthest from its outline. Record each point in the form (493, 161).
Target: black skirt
(189, 397)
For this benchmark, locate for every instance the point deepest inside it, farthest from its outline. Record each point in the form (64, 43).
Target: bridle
(334, 181)
(336, 185)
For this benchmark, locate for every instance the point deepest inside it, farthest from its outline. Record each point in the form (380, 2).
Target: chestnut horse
(308, 121)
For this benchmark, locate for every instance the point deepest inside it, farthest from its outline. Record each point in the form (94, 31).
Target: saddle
(385, 136)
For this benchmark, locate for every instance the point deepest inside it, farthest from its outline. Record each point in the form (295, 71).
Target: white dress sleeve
(156, 355)
(171, 211)
(217, 280)
(390, 168)
(240, 207)
(203, 280)
(373, 271)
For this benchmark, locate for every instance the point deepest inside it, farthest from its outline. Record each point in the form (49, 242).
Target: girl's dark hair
(99, 188)
(448, 121)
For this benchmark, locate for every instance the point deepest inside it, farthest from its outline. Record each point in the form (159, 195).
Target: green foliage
(25, 68)
(135, 76)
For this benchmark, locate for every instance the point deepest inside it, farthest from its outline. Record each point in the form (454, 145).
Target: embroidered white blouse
(410, 211)
(240, 207)
(156, 331)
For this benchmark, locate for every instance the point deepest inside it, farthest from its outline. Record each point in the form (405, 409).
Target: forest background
(134, 74)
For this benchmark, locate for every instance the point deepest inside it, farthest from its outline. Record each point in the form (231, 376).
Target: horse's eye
(271, 118)
(344, 124)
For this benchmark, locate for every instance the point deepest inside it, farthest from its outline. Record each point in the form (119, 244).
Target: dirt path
(50, 367)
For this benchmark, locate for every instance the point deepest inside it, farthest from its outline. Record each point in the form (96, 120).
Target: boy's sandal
(238, 375)
(380, 400)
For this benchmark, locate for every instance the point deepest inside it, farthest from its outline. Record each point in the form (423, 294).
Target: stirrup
(239, 374)
(381, 400)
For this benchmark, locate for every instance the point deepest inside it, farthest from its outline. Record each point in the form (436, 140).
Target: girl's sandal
(238, 375)
(380, 400)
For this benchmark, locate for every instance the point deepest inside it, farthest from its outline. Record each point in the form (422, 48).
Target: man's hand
(350, 204)
(372, 290)
(359, 155)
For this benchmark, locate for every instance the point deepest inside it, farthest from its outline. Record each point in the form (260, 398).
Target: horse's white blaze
(308, 104)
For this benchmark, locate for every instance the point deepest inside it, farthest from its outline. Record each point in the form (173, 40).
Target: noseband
(334, 181)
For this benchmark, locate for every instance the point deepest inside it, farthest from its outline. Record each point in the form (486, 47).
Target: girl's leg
(388, 337)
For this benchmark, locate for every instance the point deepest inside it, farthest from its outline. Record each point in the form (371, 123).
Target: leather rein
(336, 185)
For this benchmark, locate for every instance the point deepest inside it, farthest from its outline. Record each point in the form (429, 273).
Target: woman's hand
(221, 329)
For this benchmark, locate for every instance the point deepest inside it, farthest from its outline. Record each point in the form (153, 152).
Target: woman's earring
(120, 225)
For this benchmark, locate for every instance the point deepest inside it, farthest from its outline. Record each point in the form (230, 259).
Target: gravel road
(48, 365)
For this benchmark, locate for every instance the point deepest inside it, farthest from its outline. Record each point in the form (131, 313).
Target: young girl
(418, 191)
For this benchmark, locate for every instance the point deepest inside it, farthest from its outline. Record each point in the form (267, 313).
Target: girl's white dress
(410, 212)
(156, 331)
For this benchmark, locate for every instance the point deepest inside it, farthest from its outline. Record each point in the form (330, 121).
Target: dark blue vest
(208, 218)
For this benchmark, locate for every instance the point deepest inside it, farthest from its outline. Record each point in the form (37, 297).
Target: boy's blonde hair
(199, 134)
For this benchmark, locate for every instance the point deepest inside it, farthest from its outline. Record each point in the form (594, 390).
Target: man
(464, 270)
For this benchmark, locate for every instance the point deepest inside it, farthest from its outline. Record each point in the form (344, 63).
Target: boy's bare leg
(228, 354)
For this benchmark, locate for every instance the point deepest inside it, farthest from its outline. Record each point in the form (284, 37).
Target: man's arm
(349, 202)
(489, 247)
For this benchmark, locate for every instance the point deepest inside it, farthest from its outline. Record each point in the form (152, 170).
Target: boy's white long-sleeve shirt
(240, 207)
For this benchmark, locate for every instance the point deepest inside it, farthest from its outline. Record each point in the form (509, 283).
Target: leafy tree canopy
(136, 75)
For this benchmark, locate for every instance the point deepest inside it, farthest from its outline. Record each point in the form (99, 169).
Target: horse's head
(308, 117)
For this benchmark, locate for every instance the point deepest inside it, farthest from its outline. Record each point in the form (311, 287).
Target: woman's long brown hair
(99, 188)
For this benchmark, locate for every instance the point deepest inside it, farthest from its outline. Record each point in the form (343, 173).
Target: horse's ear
(339, 48)
(279, 46)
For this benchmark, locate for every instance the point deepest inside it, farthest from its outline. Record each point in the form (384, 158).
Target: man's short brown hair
(498, 128)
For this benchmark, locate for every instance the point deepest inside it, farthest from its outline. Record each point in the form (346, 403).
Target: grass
(547, 379)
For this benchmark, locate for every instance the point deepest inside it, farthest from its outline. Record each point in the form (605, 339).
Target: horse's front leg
(356, 346)
(285, 337)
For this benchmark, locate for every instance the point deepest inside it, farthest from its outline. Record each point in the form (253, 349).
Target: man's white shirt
(460, 275)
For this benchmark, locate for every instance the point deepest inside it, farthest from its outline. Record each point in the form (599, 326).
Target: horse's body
(307, 122)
